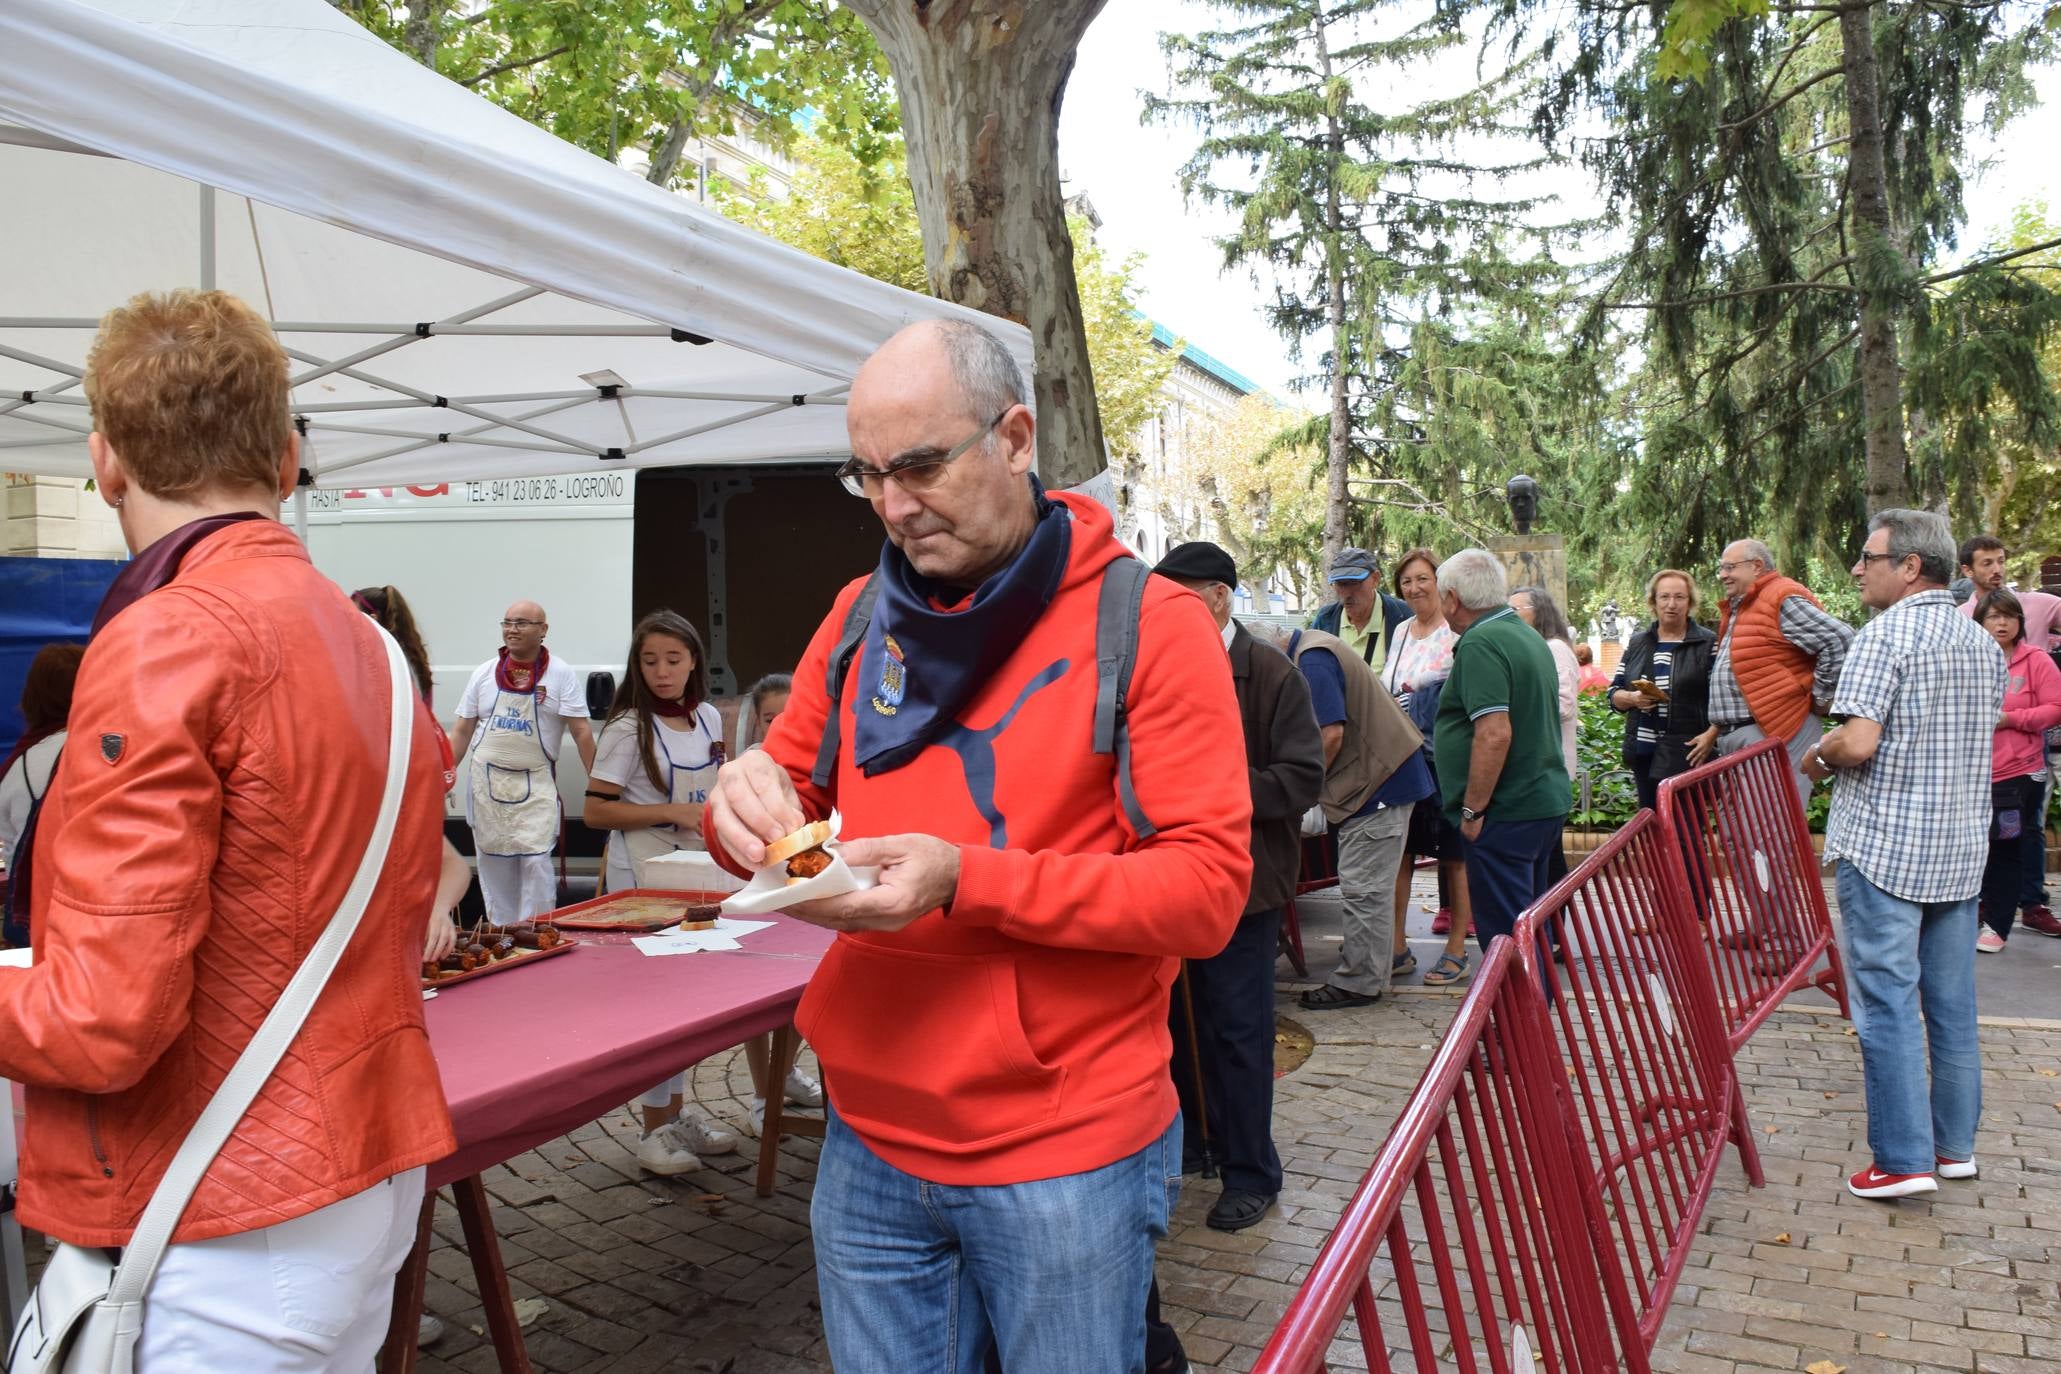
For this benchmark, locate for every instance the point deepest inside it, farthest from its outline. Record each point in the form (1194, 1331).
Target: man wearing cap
(1233, 992)
(1364, 617)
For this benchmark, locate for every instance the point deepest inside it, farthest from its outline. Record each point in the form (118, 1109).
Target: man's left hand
(1471, 830)
(918, 874)
(1815, 768)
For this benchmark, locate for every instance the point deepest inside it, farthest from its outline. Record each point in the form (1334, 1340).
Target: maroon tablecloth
(532, 1053)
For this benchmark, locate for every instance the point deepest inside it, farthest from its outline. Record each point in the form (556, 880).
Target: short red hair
(190, 388)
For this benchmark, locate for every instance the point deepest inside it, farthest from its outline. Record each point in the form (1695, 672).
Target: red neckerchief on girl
(511, 676)
(672, 710)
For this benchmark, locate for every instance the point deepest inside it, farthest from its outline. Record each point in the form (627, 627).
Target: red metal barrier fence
(1644, 1068)
(1753, 883)
(1475, 1198)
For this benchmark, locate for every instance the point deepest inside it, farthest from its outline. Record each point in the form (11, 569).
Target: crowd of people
(1058, 845)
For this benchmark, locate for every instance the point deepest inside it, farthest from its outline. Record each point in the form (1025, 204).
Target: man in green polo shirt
(1497, 744)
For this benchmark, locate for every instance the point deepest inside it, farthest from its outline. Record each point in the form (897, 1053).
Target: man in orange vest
(1778, 660)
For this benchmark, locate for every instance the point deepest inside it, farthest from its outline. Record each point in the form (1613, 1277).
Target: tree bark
(425, 29)
(981, 83)
(1888, 464)
(1337, 496)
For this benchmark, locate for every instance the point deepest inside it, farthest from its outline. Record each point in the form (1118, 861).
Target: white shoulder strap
(255, 1065)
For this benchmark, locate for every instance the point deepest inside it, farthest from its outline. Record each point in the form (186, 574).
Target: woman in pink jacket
(2032, 706)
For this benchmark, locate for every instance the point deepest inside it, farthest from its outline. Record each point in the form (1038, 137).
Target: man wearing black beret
(1234, 991)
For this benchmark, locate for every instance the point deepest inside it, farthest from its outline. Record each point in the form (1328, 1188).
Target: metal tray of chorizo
(495, 949)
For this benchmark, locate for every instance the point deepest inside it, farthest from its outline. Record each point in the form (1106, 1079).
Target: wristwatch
(1468, 813)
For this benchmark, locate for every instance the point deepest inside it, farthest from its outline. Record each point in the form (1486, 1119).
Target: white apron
(512, 801)
(628, 849)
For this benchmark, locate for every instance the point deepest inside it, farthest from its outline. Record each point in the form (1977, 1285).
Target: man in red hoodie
(1003, 1143)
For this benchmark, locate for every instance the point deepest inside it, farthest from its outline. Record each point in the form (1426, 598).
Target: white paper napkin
(725, 935)
(769, 890)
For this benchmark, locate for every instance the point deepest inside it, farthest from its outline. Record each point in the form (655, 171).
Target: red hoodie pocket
(926, 1049)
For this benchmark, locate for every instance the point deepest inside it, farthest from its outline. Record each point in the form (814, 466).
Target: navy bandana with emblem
(920, 665)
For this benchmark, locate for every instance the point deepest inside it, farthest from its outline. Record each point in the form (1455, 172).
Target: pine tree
(1787, 180)
(1365, 215)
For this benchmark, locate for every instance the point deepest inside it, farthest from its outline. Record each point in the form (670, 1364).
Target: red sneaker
(1871, 1182)
(2041, 919)
(1954, 1168)
(1443, 922)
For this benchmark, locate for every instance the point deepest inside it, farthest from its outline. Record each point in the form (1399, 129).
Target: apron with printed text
(630, 848)
(513, 798)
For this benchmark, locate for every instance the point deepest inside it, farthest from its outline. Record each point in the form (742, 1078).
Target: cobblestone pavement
(698, 1274)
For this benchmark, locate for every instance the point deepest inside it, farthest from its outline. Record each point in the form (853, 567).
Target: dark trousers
(2016, 866)
(1234, 1027)
(1507, 871)
(1643, 779)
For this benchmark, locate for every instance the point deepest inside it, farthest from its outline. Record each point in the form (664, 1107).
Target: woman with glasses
(522, 703)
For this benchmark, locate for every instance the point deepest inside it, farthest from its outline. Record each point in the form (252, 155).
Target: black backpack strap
(14, 911)
(856, 621)
(1116, 653)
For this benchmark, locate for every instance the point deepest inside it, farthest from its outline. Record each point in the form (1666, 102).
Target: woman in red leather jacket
(226, 759)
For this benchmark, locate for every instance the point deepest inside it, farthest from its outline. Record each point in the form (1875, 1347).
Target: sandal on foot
(1328, 998)
(1450, 969)
(1403, 963)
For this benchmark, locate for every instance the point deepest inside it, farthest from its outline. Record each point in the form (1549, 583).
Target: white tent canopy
(464, 295)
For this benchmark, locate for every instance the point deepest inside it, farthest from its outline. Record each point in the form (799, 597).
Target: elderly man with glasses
(1921, 694)
(1002, 1143)
(528, 703)
(1778, 659)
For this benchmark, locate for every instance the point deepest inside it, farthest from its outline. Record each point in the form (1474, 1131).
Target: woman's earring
(118, 502)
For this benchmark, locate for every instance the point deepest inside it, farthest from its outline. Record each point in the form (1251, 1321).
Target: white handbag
(87, 1310)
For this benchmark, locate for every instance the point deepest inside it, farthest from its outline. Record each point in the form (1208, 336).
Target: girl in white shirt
(653, 767)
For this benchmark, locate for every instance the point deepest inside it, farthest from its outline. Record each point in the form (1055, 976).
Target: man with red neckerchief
(528, 703)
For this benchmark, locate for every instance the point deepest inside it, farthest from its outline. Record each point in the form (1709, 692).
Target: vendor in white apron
(657, 759)
(521, 704)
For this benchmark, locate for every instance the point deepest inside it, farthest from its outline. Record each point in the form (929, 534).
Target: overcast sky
(1130, 173)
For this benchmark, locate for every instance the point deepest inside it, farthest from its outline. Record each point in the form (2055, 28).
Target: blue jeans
(919, 1278)
(1906, 959)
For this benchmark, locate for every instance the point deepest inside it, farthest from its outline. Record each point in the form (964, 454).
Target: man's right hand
(752, 804)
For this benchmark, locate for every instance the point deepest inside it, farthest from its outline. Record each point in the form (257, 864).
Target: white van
(460, 552)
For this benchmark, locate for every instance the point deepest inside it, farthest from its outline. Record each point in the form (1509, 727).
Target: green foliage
(610, 75)
(1599, 748)
(1723, 158)
(863, 216)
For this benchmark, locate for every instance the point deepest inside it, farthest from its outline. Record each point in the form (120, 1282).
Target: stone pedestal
(56, 517)
(1535, 560)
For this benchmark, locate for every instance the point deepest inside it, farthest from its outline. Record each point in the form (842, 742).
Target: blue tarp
(42, 601)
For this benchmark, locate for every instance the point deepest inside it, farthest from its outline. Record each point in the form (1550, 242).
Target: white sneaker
(758, 1116)
(430, 1330)
(659, 1152)
(697, 1132)
(800, 1090)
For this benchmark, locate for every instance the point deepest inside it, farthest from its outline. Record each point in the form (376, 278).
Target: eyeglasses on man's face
(1724, 568)
(920, 471)
(1867, 558)
(520, 624)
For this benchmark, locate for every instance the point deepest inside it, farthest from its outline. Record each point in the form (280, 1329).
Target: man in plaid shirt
(1921, 691)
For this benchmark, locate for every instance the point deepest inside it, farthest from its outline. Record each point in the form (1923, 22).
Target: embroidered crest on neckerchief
(111, 747)
(894, 679)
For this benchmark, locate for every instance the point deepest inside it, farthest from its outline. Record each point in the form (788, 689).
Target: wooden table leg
(397, 1356)
(476, 1215)
(776, 1103)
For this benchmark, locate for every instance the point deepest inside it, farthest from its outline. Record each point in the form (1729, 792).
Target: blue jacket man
(1356, 591)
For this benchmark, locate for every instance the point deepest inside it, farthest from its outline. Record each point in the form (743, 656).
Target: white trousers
(517, 887)
(308, 1296)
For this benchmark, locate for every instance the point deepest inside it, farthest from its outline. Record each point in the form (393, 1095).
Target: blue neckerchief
(920, 665)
